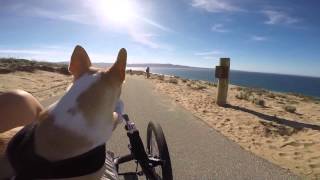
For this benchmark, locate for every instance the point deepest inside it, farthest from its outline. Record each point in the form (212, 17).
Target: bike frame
(138, 153)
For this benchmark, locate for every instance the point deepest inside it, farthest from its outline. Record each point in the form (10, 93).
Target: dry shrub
(290, 108)
(282, 96)
(211, 84)
(238, 88)
(271, 95)
(184, 80)
(173, 81)
(244, 95)
(160, 77)
(199, 87)
(259, 102)
(274, 129)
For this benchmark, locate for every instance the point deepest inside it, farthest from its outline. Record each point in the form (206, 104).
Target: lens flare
(120, 12)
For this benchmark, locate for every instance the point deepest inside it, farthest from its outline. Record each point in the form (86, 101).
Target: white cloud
(53, 53)
(209, 57)
(20, 51)
(88, 15)
(216, 5)
(207, 53)
(72, 17)
(156, 25)
(39, 54)
(144, 39)
(279, 17)
(219, 28)
(259, 38)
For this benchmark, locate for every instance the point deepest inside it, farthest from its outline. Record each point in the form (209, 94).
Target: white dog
(72, 132)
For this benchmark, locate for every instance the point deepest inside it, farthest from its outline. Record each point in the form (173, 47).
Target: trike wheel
(157, 148)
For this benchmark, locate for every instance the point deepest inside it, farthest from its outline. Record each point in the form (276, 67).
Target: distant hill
(144, 65)
(8, 65)
(140, 65)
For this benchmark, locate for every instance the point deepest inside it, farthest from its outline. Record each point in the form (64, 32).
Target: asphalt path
(197, 151)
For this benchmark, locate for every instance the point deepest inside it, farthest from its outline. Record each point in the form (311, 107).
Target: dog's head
(100, 88)
(91, 100)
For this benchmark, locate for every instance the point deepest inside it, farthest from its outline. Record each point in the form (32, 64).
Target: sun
(120, 12)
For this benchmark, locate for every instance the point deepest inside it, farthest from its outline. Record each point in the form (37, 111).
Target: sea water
(309, 86)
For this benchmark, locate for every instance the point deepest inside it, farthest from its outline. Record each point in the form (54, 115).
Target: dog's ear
(118, 69)
(79, 63)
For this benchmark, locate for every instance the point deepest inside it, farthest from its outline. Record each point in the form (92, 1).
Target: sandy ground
(290, 140)
(41, 84)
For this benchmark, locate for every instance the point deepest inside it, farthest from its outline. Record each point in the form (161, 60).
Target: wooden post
(222, 72)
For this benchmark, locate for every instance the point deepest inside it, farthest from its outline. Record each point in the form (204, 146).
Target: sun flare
(118, 12)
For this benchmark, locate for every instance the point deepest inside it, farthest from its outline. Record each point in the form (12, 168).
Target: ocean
(309, 86)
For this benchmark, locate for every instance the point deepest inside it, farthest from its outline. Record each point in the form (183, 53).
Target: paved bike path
(197, 151)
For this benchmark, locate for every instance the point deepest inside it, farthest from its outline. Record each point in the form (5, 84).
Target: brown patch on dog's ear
(80, 62)
(118, 69)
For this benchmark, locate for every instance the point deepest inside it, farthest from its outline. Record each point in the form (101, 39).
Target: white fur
(101, 131)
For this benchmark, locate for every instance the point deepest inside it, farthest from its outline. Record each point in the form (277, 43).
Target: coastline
(298, 85)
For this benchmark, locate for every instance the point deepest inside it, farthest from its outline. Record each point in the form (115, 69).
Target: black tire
(154, 132)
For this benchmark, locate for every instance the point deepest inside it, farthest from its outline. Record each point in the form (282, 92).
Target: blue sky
(264, 35)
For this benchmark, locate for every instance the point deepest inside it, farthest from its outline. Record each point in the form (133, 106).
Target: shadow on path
(293, 124)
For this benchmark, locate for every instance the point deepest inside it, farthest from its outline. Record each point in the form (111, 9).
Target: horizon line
(261, 72)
